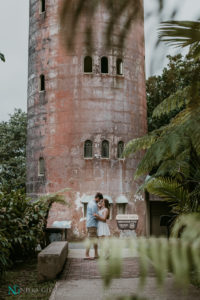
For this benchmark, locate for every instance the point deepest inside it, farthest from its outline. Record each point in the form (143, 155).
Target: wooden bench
(51, 260)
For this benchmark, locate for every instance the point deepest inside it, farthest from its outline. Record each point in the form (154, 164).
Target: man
(92, 223)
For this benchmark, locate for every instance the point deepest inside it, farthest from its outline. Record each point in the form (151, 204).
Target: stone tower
(82, 109)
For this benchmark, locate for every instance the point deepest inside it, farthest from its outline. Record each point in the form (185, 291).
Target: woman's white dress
(102, 229)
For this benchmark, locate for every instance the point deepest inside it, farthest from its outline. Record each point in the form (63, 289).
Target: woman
(102, 217)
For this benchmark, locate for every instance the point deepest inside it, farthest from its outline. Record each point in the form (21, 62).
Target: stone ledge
(51, 260)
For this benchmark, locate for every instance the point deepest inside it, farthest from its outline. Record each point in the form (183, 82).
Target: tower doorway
(159, 216)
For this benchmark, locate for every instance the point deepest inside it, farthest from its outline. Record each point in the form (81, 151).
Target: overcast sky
(14, 44)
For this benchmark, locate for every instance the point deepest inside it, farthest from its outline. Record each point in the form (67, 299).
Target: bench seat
(51, 260)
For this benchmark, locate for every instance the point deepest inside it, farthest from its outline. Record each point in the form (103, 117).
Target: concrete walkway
(80, 279)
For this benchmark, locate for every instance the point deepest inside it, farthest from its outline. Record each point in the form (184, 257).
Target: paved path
(80, 279)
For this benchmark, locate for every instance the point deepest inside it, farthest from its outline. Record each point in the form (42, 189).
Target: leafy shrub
(5, 253)
(23, 224)
(13, 152)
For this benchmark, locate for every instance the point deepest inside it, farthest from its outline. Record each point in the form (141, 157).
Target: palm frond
(168, 146)
(175, 101)
(181, 34)
(168, 189)
(189, 227)
(168, 142)
(2, 57)
(142, 143)
(172, 167)
(158, 137)
(177, 255)
(188, 122)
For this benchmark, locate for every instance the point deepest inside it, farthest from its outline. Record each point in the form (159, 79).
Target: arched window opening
(88, 149)
(120, 149)
(88, 64)
(42, 83)
(104, 65)
(41, 167)
(42, 6)
(119, 66)
(105, 149)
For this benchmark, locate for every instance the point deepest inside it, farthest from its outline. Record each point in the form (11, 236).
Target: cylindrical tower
(82, 109)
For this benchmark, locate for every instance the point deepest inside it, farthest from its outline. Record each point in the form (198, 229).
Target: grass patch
(24, 276)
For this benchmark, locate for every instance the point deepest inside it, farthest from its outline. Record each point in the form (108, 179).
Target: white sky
(14, 16)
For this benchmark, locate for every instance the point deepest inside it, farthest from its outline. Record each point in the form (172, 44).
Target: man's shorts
(92, 232)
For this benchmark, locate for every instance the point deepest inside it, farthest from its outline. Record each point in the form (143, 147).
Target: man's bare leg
(96, 255)
(87, 253)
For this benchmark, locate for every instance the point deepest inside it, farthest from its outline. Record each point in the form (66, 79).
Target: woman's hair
(107, 205)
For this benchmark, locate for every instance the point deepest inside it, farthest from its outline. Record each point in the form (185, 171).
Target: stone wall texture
(76, 107)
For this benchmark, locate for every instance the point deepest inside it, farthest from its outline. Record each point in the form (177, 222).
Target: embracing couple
(97, 215)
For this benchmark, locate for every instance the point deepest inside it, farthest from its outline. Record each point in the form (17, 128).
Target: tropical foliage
(169, 146)
(182, 34)
(23, 224)
(172, 155)
(13, 152)
(175, 78)
(5, 246)
(179, 256)
(172, 190)
(173, 149)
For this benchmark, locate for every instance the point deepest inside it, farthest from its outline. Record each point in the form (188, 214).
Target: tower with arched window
(83, 107)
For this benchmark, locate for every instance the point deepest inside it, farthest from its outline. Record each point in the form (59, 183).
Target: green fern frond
(181, 118)
(144, 263)
(175, 101)
(179, 261)
(172, 167)
(166, 147)
(177, 164)
(178, 255)
(175, 138)
(171, 190)
(189, 225)
(192, 127)
(142, 143)
(168, 189)
(196, 257)
(167, 142)
(187, 124)
(156, 256)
